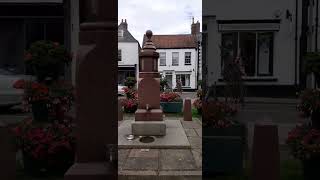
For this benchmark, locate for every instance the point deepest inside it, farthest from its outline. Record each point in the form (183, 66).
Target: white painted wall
(284, 43)
(129, 52)
(182, 67)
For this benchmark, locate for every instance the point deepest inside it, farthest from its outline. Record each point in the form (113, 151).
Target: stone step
(161, 175)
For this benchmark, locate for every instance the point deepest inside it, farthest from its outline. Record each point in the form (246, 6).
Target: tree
(163, 84)
(130, 82)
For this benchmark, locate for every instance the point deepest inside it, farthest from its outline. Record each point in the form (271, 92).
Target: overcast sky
(160, 16)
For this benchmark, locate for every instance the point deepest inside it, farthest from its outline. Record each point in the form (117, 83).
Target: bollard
(187, 114)
(265, 152)
(7, 154)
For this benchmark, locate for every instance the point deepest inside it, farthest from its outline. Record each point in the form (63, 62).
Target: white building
(178, 58)
(128, 54)
(268, 35)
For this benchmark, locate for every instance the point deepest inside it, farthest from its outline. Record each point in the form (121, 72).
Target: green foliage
(43, 53)
(312, 63)
(232, 74)
(163, 84)
(199, 83)
(130, 82)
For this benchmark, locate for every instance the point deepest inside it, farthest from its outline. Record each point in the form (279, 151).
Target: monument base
(149, 128)
(151, 115)
(92, 171)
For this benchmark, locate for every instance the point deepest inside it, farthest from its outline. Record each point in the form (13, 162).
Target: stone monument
(149, 115)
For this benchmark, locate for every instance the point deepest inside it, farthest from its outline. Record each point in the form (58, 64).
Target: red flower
(56, 44)
(19, 84)
(27, 56)
(17, 131)
(35, 85)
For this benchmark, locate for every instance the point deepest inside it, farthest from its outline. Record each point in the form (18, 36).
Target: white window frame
(187, 56)
(184, 74)
(162, 59)
(119, 55)
(173, 59)
(256, 73)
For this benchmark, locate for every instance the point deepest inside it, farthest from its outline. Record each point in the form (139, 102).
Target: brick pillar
(7, 154)
(187, 110)
(265, 152)
(96, 92)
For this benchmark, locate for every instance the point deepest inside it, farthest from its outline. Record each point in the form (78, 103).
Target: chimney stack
(195, 27)
(124, 24)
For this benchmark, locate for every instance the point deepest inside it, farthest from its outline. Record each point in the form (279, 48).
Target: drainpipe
(317, 24)
(296, 45)
(303, 41)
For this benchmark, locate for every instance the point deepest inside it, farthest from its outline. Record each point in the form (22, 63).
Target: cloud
(162, 16)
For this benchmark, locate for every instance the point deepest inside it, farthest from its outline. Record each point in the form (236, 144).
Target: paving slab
(177, 159)
(197, 155)
(195, 142)
(122, 156)
(175, 137)
(141, 163)
(199, 131)
(191, 133)
(144, 153)
(191, 124)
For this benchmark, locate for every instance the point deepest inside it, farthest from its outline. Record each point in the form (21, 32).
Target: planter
(311, 168)
(34, 167)
(40, 111)
(51, 71)
(171, 107)
(224, 150)
(58, 164)
(130, 110)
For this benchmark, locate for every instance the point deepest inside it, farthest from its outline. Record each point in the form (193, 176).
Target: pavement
(163, 163)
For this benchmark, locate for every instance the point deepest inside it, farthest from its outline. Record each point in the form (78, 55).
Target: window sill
(256, 79)
(187, 64)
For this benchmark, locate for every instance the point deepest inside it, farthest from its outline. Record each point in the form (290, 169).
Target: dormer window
(120, 33)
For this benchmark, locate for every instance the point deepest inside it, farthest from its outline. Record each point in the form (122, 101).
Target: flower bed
(171, 102)
(224, 138)
(46, 148)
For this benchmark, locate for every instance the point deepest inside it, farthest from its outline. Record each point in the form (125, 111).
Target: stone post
(149, 116)
(96, 92)
(187, 110)
(7, 154)
(265, 152)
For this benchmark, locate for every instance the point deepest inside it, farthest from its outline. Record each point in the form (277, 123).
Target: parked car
(121, 90)
(10, 96)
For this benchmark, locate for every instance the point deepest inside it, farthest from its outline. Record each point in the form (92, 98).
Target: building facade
(267, 36)
(179, 58)
(128, 54)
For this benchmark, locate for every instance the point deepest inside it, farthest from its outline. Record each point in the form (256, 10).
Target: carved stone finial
(149, 35)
